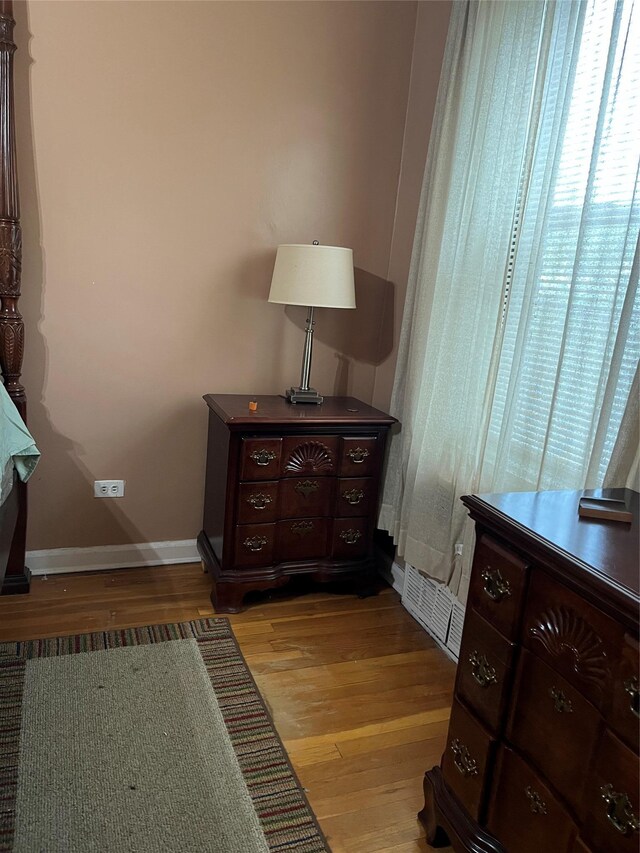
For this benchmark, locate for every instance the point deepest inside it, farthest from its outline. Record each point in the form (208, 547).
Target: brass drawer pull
(538, 805)
(350, 536)
(302, 527)
(263, 457)
(481, 670)
(255, 543)
(495, 585)
(306, 487)
(259, 500)
(619, 810)
(353, 496)
(358, 455)
(560, 701)
(465, 765)
(632, 687)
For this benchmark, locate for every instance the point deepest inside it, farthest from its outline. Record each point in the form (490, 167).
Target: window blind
(571, 322)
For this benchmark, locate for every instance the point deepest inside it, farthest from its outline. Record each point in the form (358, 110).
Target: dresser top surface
(609, 550)
(233, 409)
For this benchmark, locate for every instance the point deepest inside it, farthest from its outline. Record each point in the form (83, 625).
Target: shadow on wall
(364, 335)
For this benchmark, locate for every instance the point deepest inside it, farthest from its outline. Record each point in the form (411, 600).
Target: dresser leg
(447, 822)
(436, 836)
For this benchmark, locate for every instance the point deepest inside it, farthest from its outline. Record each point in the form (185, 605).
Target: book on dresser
(542, 748)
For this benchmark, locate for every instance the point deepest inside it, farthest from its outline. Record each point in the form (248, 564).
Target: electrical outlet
(108, 488)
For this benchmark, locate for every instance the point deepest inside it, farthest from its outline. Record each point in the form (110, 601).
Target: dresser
(542, 749)
(290, 490)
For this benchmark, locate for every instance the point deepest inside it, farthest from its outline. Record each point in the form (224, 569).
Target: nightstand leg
(367, 585)
(227, 597)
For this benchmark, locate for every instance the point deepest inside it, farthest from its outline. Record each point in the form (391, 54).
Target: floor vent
(435, 607)
(454, 638)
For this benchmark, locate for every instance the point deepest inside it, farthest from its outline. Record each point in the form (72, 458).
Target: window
(577, 237)
(521, 331)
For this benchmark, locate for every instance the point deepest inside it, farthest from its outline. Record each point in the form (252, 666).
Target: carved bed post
(11, 324)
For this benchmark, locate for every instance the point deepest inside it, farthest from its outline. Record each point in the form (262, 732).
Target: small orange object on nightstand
(253, 406)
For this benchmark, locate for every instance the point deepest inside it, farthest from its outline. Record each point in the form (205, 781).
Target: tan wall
(165, 150)
(430, 37)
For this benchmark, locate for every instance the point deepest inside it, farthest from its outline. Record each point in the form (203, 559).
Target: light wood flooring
(359, 693)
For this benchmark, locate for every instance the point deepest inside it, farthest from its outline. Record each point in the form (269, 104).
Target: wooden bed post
(11, 324)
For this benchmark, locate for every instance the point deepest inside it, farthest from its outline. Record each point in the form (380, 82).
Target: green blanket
(17, 447)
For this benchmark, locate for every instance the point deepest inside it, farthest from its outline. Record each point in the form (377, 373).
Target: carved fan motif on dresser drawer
(565, 634)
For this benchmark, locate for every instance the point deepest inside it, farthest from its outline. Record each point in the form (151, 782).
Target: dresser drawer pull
(358, 455)
(302, 527)
(632, 688)
(306, 487)
(259, 500)
(465, 765)
(619, 810)
(353, 496)
(495, 585)
(350, 536)
(255, 543)
(538, 805)
(560, 701)
(263, 457)
(481, 670)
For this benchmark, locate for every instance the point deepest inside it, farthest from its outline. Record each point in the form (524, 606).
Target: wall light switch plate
(108, 488)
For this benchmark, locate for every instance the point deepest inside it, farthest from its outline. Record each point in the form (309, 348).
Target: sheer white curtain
(521, 332)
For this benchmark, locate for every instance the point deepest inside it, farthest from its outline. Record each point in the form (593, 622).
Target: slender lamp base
(305, 394)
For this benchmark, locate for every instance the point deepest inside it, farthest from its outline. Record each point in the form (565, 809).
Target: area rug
(149, 739)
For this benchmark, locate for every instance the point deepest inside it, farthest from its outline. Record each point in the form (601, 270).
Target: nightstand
(290, 490)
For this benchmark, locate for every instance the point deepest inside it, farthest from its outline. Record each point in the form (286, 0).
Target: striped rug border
(284, 812)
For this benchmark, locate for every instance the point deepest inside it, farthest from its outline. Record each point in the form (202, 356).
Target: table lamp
(318, 277)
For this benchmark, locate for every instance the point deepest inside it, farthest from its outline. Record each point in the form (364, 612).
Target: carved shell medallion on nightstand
(310, 456)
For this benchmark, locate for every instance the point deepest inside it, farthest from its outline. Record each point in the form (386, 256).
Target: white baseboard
(395, 577)
(58, 561)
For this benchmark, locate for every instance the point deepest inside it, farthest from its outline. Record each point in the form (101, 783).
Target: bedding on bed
(17, 447)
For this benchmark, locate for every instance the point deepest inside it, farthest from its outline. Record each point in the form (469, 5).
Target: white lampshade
(318, 276)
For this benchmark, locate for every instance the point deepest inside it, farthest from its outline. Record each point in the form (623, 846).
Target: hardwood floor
(358, 691)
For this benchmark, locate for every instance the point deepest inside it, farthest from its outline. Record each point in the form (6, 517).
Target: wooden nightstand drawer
(260, 458)
(467, 759)
(354, 496)
(498, 580)
(484, 669)
(305, 497)
(350, 538)
(302, 539)
(310, 455)
(612, 801)
(525, 815)
(358, 456)
(553, 725)
(258, 502)
(254, 545)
